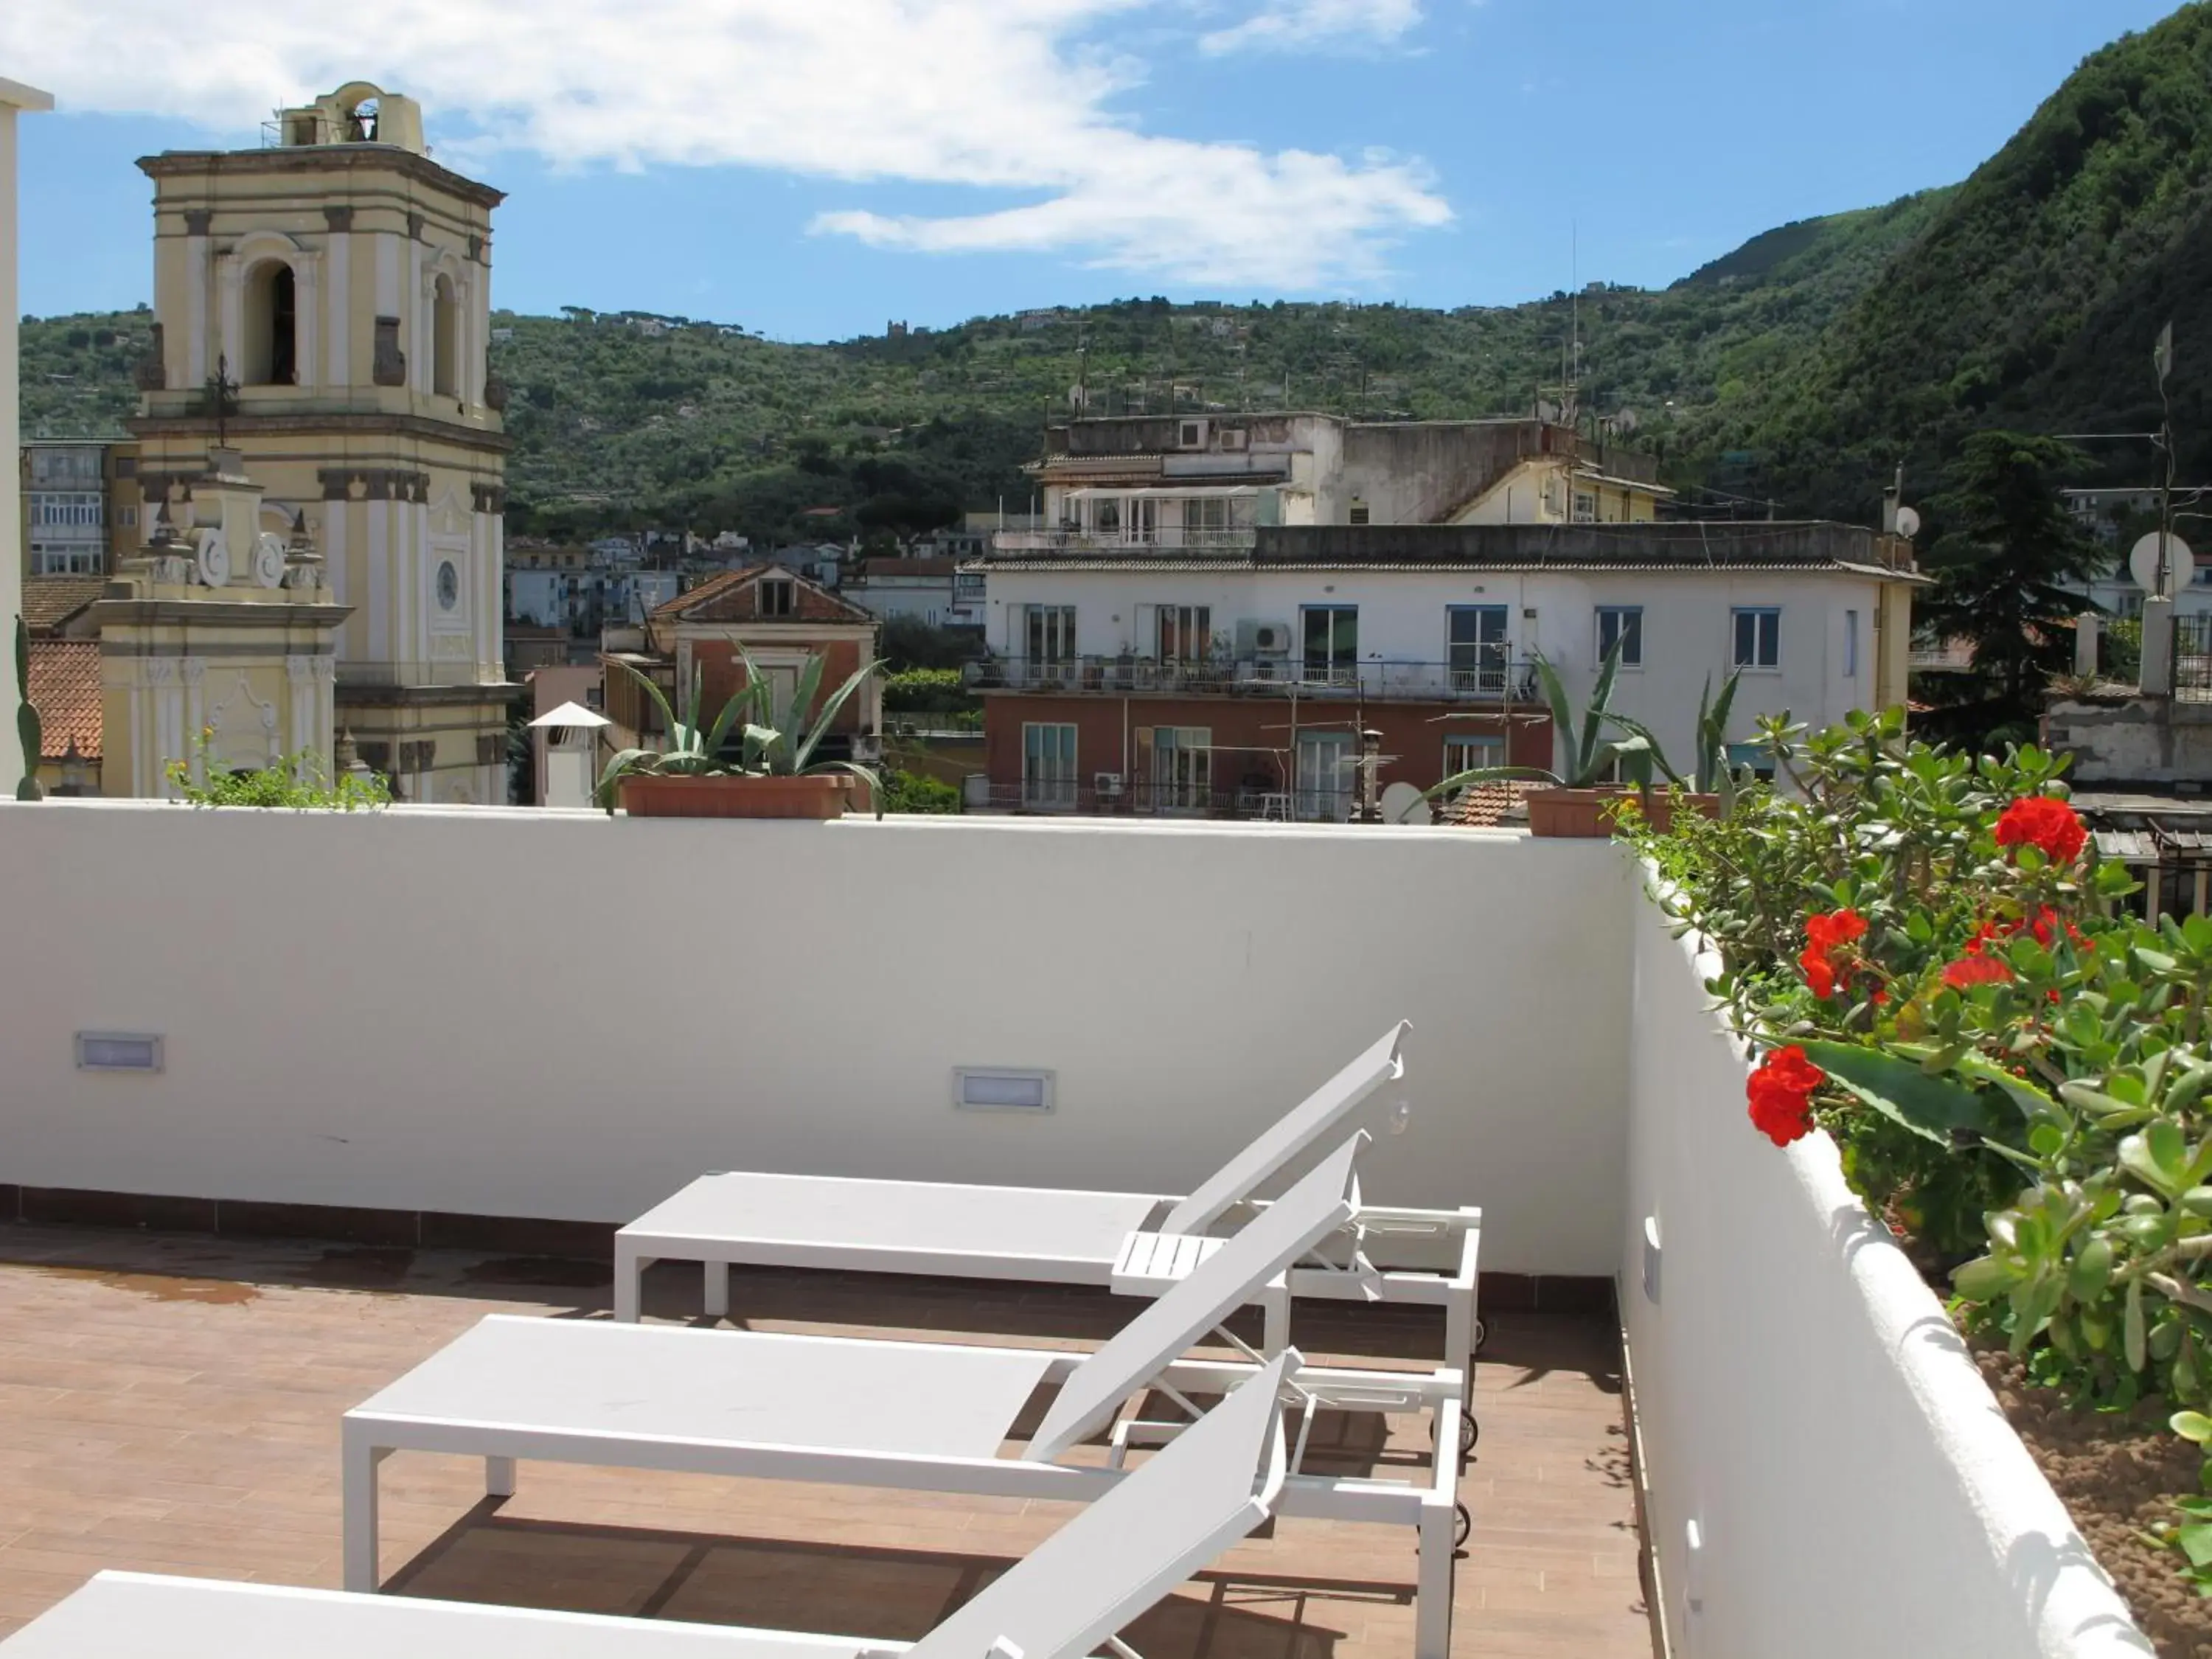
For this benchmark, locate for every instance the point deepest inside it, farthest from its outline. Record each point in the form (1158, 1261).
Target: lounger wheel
(1469, 1432)
(1462, 1526)
(1482, 1336)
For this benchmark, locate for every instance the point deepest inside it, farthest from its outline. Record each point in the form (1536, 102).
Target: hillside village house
(779, 619)
(1237, 682)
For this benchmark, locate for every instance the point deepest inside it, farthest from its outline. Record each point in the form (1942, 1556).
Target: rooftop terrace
(470, 1043)
(173, 1404)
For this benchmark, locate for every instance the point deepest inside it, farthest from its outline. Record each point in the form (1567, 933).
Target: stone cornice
(374, 424)
(320, 158)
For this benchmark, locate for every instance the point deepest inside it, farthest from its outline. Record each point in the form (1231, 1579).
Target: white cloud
(1012, 95)
(1299, 25)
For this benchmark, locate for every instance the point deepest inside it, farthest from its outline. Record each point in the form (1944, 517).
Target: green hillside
(2032, 297)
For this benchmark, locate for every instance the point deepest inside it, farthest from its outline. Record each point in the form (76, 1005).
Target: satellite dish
(1404, 803)
(1908, 522)
(2180, 565)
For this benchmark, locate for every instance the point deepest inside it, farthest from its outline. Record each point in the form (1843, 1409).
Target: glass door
(1049, 767)
(1324, 779)
(1182, 768)
(1331, 644)
(1478, 648)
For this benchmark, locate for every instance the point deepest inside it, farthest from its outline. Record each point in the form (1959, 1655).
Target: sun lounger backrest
(1209, 1487)
(1225, 1281)
(1292, 1134)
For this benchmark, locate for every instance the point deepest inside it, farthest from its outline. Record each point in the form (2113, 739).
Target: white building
(940, 593)
(1427, 635)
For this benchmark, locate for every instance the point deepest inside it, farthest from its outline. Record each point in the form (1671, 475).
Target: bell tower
(322, 311)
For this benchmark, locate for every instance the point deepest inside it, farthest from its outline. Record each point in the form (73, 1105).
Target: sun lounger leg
(1432, 1596)
(1458, 1333)
(360, 1482)
(498, 1477)
(718, 1290)
(630, 1282)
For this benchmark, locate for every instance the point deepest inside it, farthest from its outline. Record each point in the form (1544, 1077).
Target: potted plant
(772, 775)
(1578, 802)
(1712, 790)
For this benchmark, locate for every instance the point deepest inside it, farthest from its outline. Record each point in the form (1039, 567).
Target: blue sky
(815, 167)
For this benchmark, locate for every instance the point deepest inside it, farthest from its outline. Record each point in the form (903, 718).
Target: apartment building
(1238, 683)
(81, 505)
(1212, 482)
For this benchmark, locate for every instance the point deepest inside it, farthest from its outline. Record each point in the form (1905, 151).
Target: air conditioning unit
(1271, 639)
(1234, 437)
(1107, 785)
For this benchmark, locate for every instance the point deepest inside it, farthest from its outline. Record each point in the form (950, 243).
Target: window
(1850, 645)
(1106, 516)
(1050, 633)
(1463, 753)
(1621, 626)
(1757, 641)
(445, 346)
(1185, 633)
(126, 467)
(67, 510)
(777, 596)
(1357, 513)
(1049, 767)
(268, 356)
(1476, 651)
(67, 559)
(1585, 506)
(1206, 512)
(127, 517)
(1324, 776)
(1192, 435)
(1755, 756)
(1332, 642)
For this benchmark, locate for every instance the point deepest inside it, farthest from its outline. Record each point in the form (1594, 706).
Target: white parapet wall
(562, 1015)
(1803, 1400)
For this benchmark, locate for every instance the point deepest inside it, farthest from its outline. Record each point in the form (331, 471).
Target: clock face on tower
(449, 586)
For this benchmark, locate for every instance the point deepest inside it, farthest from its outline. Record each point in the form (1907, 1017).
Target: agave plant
(696, 748)
(1591, 755)
(1714, 775)
(26, 717)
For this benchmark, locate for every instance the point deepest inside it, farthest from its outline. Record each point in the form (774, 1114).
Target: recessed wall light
(1002, 1088)
(118, 1051)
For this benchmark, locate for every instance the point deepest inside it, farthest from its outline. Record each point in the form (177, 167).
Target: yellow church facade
(322, 312)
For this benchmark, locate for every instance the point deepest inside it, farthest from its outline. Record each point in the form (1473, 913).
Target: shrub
(916, 792)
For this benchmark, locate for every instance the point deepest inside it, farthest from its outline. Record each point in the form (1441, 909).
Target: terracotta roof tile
(65, 690)
(50, 601)
(1488, 806)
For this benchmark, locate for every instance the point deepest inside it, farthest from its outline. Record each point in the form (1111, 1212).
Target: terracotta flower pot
(1587, 814)
(1571, 814)
(820, 797)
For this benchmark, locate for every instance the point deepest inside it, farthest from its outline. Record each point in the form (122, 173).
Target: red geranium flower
(1780, 1092)
(2043, 822)
(1975, 969)
(1827, 939)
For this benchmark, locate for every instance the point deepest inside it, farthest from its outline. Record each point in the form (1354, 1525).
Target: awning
(571, 714)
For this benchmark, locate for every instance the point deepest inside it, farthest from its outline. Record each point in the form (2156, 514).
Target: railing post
(2085, 644)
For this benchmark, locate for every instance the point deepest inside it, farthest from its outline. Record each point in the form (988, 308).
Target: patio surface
(170, 1403)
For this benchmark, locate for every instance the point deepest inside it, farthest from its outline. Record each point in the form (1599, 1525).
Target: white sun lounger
(1047, 1235)
(919, 1416)
(1172, 1515)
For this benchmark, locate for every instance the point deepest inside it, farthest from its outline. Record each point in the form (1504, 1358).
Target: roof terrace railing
(1487, 678)
(1148, 798)
(1237, 540)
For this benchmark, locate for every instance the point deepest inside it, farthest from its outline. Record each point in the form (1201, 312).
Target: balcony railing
(1141, 797)
(1126, 541)
(1487, 679)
